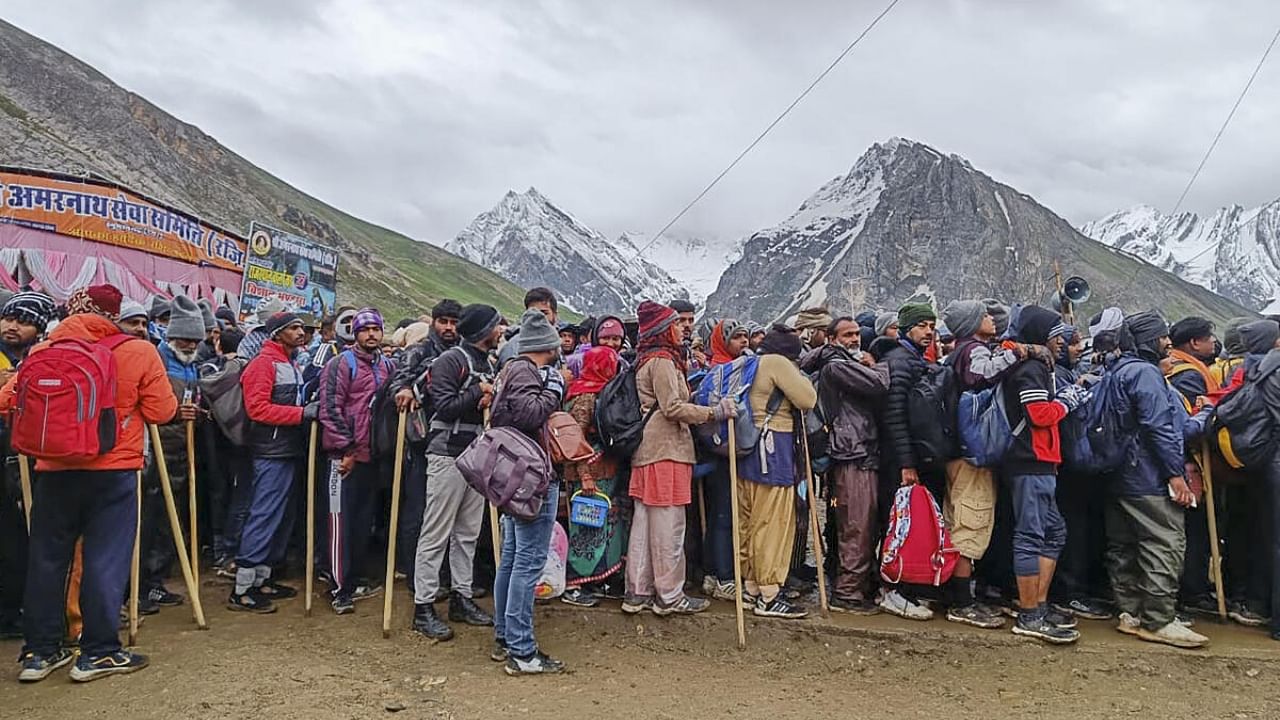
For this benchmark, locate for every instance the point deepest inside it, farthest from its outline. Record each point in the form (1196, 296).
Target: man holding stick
(93, 499)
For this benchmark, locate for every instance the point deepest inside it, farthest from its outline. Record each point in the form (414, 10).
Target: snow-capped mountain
(695, 261)
(528, 240)
(910, 223)
(1234, 252)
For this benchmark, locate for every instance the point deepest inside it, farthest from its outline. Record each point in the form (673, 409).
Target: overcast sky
(420, 115)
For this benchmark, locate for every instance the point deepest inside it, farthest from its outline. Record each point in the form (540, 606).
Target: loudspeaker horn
(1076, 289)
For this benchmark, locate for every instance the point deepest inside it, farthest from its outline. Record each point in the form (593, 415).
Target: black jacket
(1028, 392)
(905, 369)
(848, 394)
(455, 399)
(416, 359)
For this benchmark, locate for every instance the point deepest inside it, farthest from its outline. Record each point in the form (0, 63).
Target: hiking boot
(250, 602)
(1240, 612)
(973, 615)
(120, 662)
(579, 597)
(1128, 624)
(38, 667)
(779, 607)
(162, 597)
(1059, 619)
(1175, 634)
(894, 603)
(536, 664)
(274, 591)
(1083, 608)
(426, 622)
(725, 591)
(343, 605)
(499, 653)
(1036, 626)
(853, 607)
(684, 606)
(632, 604)
(465, 610)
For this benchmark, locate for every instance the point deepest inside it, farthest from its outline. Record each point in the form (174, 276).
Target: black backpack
(932, 405)
(1242, 427)
(619, 420)
(384, 417)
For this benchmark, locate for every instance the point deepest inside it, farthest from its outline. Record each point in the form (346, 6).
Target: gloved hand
(1074, 396)
(724, 409)
(310, 411)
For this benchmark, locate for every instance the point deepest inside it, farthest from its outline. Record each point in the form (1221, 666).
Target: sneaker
(973, 615)
(1205, 605)
(465, 610)
(725, 591)
(1059, 619)
(147, 606)
(536, 664)
(894, 603)
(273, 590)
(426, 622)
(748, 600)
(633, 604)
(38, 667)
(578, 597)
(250, 602)
(1240, 612)
(1083, 608)
(853, 607)
(1184, 619)
(684, 606)
(364, 592)
(499, 652)
(162, 597)
(709, 585)
(119, 662)
(1129, 625)
(1036, 626)
(1175, 634)
(779, 607)
(343, 605)
(323, 576)
(124, 622)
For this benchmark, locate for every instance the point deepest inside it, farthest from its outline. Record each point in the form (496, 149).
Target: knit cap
(536, 333)
(913, 314)
(186, 322)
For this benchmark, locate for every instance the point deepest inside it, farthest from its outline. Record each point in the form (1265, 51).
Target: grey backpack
(226, 401)
(510, 469)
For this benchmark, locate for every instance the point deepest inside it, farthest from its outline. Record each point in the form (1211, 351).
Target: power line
(767, 130)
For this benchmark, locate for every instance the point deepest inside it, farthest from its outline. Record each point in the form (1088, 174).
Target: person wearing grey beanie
(999, 313)
(536, 333)
(964, 317)
(887, 324)
(186, 322)
(206, 314)
(133, 318)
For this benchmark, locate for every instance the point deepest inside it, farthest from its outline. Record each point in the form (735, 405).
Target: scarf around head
(663, 345)
(599, 366)
(724, 330)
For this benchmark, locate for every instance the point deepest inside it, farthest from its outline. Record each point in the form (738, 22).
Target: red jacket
(272, 388)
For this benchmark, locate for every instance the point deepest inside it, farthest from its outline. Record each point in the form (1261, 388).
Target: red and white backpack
(917, 546)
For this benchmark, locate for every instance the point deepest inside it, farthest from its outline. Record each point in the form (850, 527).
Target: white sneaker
(894, 603)
(725, 591)
(1128, 624)
(1175, 634)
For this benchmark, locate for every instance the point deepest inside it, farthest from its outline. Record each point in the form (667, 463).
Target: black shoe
(1037, 627)
(1205, 605)
(250, 602)
(479, 592)
(273, 591)
(578, 597)
(147, 606)
(1059, 619)
(464, 610)
(853, 607)
(364, 592)
(777, 608)
(1084, 608)
(343, 605)
(161, 596)
(426, 622)
(499, 652)
(535, 664)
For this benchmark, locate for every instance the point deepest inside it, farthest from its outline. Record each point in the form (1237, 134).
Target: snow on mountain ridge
(695, 261)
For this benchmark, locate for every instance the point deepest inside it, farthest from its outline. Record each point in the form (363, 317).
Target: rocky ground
(287, 667)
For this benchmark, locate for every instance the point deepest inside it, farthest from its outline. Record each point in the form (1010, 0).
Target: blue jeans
(1038, 528)
(266, 531)
(717, 547)
(99, 505)
(524, 553)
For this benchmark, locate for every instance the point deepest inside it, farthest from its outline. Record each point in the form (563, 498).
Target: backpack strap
(111, 342)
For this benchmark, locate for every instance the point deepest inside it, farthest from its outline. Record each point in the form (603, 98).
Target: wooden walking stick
(495, 530)
(24, 477)
(193, 588)
(1215, 555)
(311, 520)
(134, 564)
(813, 524)
(395, 521)
(191, 500)
(737, 538)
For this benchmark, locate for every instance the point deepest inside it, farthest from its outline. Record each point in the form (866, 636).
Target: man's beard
(185, 357)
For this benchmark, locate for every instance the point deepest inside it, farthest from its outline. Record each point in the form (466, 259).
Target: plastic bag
(551, 583)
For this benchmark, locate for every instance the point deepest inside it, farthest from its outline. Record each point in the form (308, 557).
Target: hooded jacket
(347, 387)
(143, 393)
(1158, 420)
(849, 393)
(273, 401)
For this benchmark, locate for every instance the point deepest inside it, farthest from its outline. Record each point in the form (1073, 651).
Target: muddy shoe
(853, 607)
(499, 653)
(578, 597)
(1240, 613)
(779, 607)
(250, 602)
(1205, 606)
(1175, 634)
(633, 604)
(894, 603)
(162, 597)
(273, 591)
(119, 662)
(364, 592)
(536, 664)
(726, 591)
(1059, 619)
(38, 667)
(1036, 626)
(343, 605)
(464, 610)
(426, 622)
(974, 615)
(1128, 624)
(1084, 608)
(684, 606)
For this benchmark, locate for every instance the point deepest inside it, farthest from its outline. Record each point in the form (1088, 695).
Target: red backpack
(66, 401)
(917, 545)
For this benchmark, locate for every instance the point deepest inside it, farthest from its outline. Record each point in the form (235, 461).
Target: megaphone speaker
(1076, 289)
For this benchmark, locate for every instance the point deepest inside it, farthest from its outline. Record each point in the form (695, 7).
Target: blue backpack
(733, 380)
(1095, 439)
(983, 425)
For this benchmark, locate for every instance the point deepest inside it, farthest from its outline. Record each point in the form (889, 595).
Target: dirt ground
(288, 667)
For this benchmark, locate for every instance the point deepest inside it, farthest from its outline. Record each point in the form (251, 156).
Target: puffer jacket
(906, 366)
(1269, 370)
(524, 396)
(183, 379)
(143, 393)
(347, 386)
(848, 394)
(1155, 450)
(273, 401)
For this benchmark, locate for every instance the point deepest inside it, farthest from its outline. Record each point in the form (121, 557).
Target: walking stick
(134, 568)
(24, 477)
(395, 520)
(1215, 559)
(495, 531)
(311, 520)
(737, 539)
(191, 500)
(193, 588)
(813, 524)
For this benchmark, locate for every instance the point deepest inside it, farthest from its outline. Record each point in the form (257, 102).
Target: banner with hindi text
(298, 271)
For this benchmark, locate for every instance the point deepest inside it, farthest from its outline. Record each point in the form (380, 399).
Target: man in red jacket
(273, 401)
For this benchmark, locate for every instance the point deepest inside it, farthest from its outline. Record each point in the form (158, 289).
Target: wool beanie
(655, 318)
(159, 308)
(913, 314)
(366, 318)
(269, 307)
(29, 308)
(476, 322)
(131, 309)
(784, 341)
(610, 327)
(536, 333)
(101, 300)
(226, 315)
(1188, 329)
(866, 319)
(206, 315)
(884, 320)
(186, 322)
(817, 318)
(1232, 343)
(1259, 336)
(1036, 323)
(964, 317)
(280, 321)
(1109, 320)
(999, 312)
(1147, 327)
